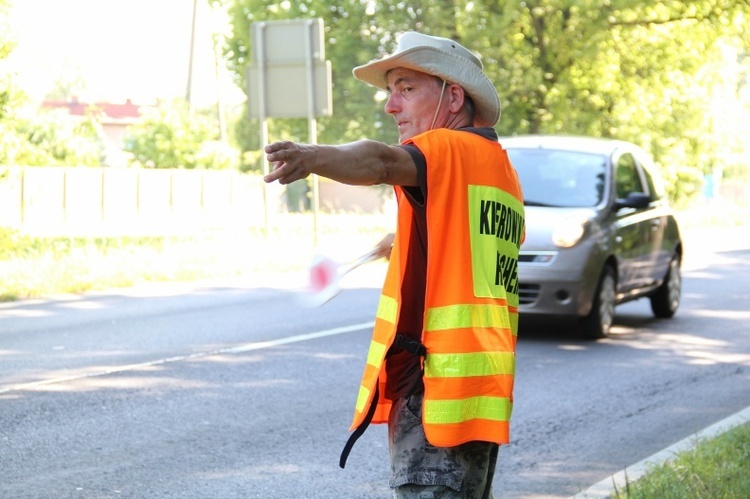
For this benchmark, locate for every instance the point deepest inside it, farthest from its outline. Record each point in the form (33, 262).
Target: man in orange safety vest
(441, 362)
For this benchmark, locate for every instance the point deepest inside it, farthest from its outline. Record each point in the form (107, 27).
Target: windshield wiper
(526, 202)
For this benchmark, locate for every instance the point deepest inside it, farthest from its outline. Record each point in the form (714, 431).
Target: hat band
(442, 92)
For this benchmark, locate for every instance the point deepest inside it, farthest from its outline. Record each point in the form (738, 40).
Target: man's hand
(289, 161)
(384, 247)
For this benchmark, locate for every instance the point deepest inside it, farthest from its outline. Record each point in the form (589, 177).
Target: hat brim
(447, 66)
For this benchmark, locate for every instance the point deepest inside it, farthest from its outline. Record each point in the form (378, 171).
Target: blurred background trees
(665, 75)
(170, 136)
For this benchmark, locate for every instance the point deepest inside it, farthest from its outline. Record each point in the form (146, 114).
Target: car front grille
(528, 293)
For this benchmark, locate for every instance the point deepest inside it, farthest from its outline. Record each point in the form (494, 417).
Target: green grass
(32, 267)
(717, 468)
(52, 266)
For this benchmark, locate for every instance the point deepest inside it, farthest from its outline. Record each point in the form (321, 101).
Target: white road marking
(179, 358)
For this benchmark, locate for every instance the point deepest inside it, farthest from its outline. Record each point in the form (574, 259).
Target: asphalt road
(236, 391)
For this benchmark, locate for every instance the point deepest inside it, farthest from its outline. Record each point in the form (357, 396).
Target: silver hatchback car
(599, 230)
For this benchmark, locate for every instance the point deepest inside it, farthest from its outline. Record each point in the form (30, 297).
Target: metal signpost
(289, 78)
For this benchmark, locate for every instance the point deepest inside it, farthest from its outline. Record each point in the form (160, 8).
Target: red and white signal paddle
(325, 276)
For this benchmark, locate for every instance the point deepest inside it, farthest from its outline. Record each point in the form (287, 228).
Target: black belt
(359, 430)
(415, 348)
(412, 346)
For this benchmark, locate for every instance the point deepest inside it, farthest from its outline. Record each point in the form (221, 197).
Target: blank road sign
(288, 67)
(284, 41)
(286, 90)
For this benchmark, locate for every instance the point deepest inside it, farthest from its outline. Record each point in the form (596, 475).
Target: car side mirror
(637, 200)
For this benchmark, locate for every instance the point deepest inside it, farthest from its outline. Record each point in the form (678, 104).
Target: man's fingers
(285, 158)
(274, 146)
(279, 171)
(273, 175)
(276, 151)
(277, 166)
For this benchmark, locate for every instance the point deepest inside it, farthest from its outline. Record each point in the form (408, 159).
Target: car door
(658, 252)
(631, 227)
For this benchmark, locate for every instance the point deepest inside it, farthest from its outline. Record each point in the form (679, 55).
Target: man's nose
(391, 106)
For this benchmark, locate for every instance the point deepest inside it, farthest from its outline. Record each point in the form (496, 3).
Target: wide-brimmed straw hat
(443, 58)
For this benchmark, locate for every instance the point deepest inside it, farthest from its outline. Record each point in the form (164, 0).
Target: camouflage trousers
(421, 471)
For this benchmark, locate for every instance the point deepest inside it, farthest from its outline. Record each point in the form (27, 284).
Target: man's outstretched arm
(365, 162)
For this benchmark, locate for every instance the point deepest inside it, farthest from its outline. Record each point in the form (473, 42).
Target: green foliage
(683, 185)
(10, 97)
(648, 72)
(715, 468)
(43, 266)
(32, 266)
(215, 155)
(645, 72)
(12, 243)
(33, 138)
(52, 138)
(9, 94)
(6, 43)
(171, 137)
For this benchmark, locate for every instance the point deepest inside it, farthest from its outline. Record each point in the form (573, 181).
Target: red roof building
(105, 110)
(114, 119)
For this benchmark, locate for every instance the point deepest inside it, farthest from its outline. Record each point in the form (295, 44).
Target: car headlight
(569, 232)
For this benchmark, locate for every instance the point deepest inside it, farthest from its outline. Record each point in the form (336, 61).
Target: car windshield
(559, 178)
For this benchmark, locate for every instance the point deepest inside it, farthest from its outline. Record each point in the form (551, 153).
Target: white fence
(129, 201)
(79, 200)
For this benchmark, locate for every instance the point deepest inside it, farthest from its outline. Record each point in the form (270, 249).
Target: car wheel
(596, 325)
(666, 299)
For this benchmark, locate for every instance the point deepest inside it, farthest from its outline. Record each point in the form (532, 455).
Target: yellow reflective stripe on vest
(387, 309)
(461, 365)
(375, 357)
(461, 316)
(376, 354)
(514, 324)
(362, 398)
(458, 411)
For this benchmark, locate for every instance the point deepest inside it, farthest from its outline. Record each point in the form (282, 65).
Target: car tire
(596, 325)
(666, 299)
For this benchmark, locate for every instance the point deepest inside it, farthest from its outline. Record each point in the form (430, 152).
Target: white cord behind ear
(442, 91)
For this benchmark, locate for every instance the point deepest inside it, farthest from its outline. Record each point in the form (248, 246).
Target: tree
(9, 94)
(32, 138)
(640, 71)
(6, 47)
(54, 138)
(171, 137)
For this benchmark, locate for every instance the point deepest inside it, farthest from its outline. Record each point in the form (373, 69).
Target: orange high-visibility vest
(475, 226)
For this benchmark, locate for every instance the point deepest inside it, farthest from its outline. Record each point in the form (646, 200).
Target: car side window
(627, 179)
(655, 185)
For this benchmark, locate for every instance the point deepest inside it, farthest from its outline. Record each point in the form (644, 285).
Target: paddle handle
(367, 257)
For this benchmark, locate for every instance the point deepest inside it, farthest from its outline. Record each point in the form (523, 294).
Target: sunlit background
(176, 171)
(117, 50)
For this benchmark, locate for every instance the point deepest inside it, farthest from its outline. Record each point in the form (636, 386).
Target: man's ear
(455, 98)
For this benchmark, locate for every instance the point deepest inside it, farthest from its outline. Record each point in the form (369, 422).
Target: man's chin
(403, 137)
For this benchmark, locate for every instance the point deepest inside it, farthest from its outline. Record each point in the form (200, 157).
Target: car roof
(594, 145)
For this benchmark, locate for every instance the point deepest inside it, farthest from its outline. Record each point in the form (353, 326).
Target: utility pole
(219, 101)
(189, 89)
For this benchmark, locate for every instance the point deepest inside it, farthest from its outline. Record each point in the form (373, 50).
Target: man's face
(413, 98)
